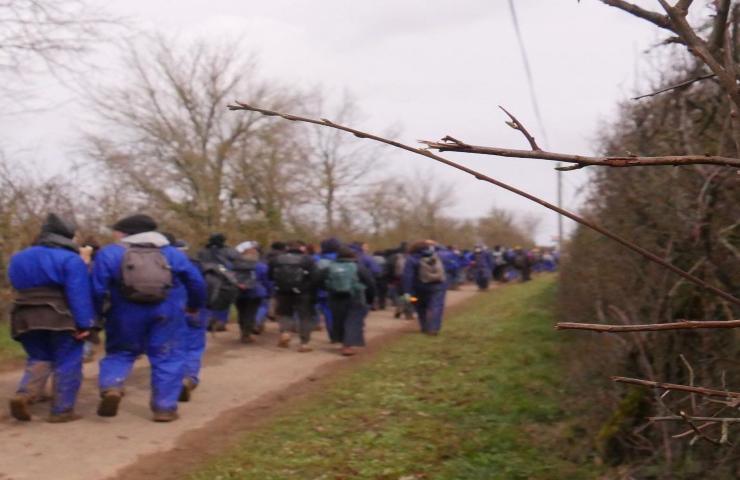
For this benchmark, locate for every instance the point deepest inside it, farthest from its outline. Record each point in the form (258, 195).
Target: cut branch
(707, 392)
(685, 325)
(654, 17)
(480, 176)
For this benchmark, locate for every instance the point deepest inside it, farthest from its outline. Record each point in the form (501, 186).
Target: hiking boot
(348, 351)
(63, 417)
(188, 385)
(284, 341)
(304, 348)
(109, 401)
(397, 315)
(19, 408)
(432, 334)
(259, 329)
(246, 338)
(165, 416)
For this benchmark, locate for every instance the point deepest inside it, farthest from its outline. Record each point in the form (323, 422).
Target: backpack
(289, 274)
(222, 286)
(431, 270)
(146, 276)
(343, 278)
(246, 274)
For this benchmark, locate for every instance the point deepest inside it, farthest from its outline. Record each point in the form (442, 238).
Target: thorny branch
(423, 152)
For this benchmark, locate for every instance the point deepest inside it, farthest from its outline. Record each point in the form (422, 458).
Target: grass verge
(481, 401)
(9, 348)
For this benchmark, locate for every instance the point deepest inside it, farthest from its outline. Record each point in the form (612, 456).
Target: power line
(538, 115)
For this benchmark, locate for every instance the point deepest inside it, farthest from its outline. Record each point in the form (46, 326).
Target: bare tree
(164, 129)
(336, 164)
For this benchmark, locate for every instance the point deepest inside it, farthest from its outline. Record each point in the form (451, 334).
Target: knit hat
(134, 224)
(330, 245)
(217, 240)
(58, 225)
(248, 245)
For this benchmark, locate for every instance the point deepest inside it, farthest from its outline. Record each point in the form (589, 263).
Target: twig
(653, 327)
(691, 380)
(707, 392)
(517, 125)
(698, 432)
(678, 85)
(480, 176)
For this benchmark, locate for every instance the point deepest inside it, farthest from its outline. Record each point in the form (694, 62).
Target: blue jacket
(107, 278)
(41, 266)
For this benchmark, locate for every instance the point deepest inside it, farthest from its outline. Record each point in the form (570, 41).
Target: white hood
(147, 238)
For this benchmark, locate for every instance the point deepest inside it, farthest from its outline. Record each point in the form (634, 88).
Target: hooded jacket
(107, 277)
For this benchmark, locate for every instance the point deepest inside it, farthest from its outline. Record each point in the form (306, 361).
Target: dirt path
(238, 382)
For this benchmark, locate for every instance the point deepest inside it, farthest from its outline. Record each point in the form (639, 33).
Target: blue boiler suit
(430, 302)
(54, 351)
(194, 339)
(156, 330)
(322, 296)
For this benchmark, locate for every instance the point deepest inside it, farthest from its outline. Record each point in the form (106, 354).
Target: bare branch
(480, 176)
(707, 392)
(517, 125)
(654, 17)
(684, 325)
(581, 161)
(677, 86)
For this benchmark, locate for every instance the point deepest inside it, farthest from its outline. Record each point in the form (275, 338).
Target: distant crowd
(152, 294)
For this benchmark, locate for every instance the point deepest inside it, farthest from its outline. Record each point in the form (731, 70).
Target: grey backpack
(146, 275)
(431, 270)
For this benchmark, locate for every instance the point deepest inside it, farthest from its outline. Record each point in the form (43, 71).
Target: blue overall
(430, 302)
(194, 335)
(156, 330)
(54, 351)
(322, 296)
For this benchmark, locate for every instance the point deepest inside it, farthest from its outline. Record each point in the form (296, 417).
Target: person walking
(293, 275)
(424, 279)
(346, 282)
(254, 290)
(140, 275)
(52, 314)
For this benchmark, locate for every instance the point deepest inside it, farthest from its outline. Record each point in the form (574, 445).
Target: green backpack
(343, 278)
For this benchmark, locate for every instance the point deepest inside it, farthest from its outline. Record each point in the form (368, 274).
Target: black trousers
(292, 309)
(246, 309)
(348, 320)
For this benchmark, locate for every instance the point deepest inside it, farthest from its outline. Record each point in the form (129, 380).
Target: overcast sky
(428, 67)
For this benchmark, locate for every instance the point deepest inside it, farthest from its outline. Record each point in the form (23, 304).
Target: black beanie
(134, 224)
(217, 240)
(58, 225)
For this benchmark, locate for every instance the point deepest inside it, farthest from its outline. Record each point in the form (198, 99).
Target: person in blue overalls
(142, 274)
(52, 314)
(424, 279)
(254, 290)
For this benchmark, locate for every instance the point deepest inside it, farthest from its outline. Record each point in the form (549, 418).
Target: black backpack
(289, 274)
(146, 276)
(222, 286)
(246, 274)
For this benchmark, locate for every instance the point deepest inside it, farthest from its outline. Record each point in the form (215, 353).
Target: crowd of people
(153, 295)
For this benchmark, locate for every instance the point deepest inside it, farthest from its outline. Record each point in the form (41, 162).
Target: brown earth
(242, 387)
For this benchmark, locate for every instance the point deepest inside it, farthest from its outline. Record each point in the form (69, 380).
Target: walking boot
(109, 401)
(188, 385)
(348, 351)
(284, 341)
(63, 417)
(246, 338)
(304, 348)
(19, 408)
(160, 416)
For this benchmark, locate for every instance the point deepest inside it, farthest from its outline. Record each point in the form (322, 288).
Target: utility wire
(538, 115)
(528, 72)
